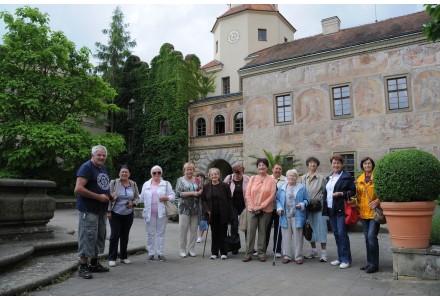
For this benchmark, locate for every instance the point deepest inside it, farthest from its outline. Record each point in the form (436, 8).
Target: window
(285, 40)
(226, 85)
(341, 101)
(349, 166)
(216, 46)
(238, 122)
(130, 109)
(130, 141)
(219, 124)
(284, 109)
(201, 127)
(164, 130)
(262, 34)
(397, 94)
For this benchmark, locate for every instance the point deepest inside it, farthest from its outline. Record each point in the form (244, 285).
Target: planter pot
(409, 223)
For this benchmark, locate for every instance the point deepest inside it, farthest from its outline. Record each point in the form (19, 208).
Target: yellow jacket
(363, 200)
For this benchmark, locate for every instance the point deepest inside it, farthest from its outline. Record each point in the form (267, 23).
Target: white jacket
(164, 188)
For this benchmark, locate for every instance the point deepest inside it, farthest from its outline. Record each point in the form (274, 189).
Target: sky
(188, 26)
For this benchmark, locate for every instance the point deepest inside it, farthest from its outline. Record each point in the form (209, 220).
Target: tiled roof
(363, 34)
(261, 7)
(212, 63)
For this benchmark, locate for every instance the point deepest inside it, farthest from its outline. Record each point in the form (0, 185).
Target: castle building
(360, 91)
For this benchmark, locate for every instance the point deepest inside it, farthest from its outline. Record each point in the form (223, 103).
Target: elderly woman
(260, 193)
(292, 200)
(217, 202)
(154, 194)
(315, 184)
(188, 189)
(339, 188)
(368, 201)
(238, 183)
(125, 196)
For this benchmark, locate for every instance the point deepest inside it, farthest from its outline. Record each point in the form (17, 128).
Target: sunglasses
(157, 173)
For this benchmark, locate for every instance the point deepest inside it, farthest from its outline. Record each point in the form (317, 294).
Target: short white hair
(156, 168)
(99, 147)
(292, 171)
(213, 170)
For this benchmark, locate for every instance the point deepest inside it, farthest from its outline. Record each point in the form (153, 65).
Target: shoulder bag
(351, 212)
(231, 243)
(170, 207)
(379, 217)
(315, 204)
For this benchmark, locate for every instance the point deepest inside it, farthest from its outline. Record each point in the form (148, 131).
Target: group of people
(267, 201)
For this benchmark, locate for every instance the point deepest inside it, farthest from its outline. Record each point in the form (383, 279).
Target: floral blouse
(187, 205)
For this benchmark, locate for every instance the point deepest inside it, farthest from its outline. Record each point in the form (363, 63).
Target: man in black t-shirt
(92, 192)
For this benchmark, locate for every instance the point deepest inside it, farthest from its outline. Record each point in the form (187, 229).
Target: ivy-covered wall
(161, 93)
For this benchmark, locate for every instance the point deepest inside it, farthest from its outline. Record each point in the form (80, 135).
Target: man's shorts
(91, 234)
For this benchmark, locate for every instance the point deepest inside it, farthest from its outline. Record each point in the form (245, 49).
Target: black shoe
(364, 267)
(98, 268)
(371, 269)
(235, 252)
(84, 272)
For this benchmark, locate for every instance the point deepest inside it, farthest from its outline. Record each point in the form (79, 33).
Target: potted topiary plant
(407, 182)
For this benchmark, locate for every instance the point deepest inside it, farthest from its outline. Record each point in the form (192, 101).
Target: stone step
(36, 271)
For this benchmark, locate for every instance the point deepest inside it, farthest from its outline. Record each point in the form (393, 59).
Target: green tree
(287, 160)
(432, 28)
(114, 55)
(47, 89)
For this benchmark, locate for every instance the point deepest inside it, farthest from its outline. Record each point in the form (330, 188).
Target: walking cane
(206, 237)
(278, 235)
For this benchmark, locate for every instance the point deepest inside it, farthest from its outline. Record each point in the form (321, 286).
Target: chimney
(330, 25)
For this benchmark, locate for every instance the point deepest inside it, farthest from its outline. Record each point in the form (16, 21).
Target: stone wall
(371, 130)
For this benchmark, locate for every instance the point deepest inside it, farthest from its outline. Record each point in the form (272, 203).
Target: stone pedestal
(416, 263)
(25, 209)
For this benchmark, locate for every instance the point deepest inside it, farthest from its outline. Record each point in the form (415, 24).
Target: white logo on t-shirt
(103, 181)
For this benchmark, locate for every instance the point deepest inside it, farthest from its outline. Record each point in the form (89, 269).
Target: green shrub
(407, 175)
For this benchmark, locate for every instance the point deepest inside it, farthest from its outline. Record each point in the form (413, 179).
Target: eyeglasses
(157, 173)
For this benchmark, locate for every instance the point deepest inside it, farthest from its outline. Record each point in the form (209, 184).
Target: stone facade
(371, 129)
(216, 150)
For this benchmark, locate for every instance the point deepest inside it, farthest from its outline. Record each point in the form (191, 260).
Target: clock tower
(242, 30)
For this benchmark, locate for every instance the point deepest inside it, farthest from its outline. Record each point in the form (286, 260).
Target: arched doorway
(224, 167)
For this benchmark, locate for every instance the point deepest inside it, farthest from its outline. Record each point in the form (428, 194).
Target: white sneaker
(223, 257)
(182, 254)
(255, 253)
(111, 263)
(344, 265)
(213, 257)
(323, 257)
(192, 254)
(311, 254)
(335, 263)
(278, 255)
(199, 239)
(126, 261)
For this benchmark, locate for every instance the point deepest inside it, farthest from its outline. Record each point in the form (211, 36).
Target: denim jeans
(371, 230)
(120, 226)
(342, 240)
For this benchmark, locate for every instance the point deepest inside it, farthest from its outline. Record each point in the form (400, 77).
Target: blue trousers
(342, 240)
(371, 230)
